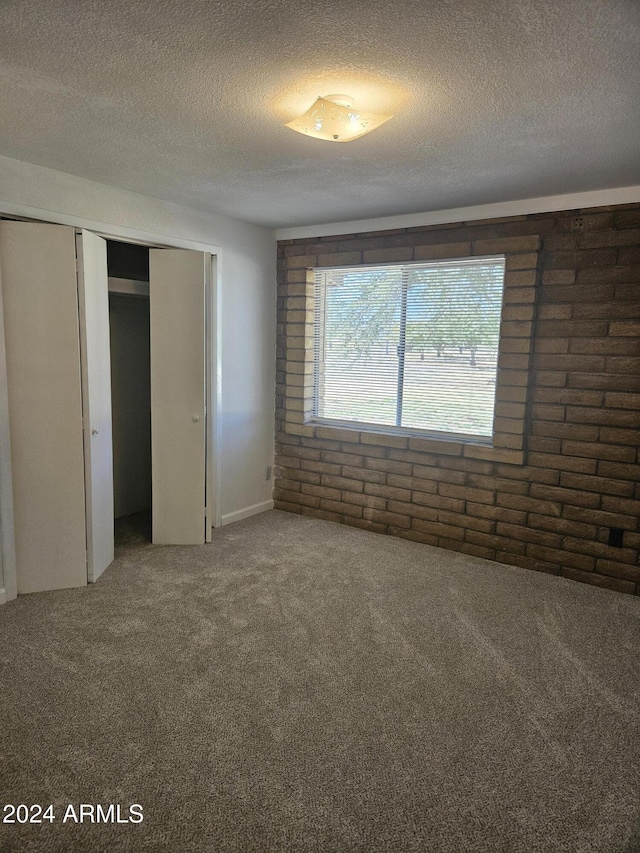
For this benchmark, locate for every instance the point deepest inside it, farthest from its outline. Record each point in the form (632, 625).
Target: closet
(130, 403)
(56, 316)
(128, 268)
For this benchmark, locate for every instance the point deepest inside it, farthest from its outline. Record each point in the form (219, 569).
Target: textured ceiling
(185, 100)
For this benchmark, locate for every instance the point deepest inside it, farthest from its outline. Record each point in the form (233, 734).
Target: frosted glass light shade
(336, 119)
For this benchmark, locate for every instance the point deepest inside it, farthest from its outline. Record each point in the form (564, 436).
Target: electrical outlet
(267, 472)
(616, 537)
(577, 224)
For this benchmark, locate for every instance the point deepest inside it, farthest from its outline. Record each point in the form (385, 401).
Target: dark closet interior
(130, 377)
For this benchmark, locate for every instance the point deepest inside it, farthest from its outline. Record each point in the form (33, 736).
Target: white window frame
(396, 429)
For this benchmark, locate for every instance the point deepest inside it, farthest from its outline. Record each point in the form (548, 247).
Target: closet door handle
(195, 418)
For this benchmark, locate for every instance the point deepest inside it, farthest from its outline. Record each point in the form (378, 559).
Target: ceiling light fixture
(336, 119)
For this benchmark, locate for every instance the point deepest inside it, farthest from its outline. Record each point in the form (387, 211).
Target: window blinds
(411, 346)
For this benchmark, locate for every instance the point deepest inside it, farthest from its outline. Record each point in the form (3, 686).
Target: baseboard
(247, 511)
(3, 596)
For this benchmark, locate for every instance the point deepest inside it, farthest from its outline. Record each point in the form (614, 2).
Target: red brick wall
(581, 466)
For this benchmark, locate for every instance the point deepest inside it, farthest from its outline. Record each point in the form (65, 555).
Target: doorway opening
(62, 449)
(129, 331)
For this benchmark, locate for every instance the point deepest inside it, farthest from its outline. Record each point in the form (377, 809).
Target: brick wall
(581, 467)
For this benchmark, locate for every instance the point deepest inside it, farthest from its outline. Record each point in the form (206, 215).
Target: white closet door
(93, 292)
(40, 295)
(177, 308)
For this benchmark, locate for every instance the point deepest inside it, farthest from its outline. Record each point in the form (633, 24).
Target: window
(409, 347)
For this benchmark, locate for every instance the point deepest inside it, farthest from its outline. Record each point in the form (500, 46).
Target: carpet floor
(302, 686)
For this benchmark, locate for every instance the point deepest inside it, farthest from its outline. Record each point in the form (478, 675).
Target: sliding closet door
(177, 309)
(38, 273)
(93, 293)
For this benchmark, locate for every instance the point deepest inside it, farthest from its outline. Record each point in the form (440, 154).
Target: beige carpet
(303, 686)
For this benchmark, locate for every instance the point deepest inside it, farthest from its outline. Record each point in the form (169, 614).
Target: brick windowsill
(406, 440)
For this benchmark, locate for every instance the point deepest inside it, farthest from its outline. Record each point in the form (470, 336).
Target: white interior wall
(8, 581)
(246, 271)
